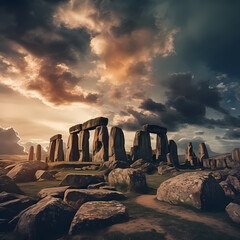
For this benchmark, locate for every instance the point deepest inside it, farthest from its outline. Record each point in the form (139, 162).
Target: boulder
(138, 163)
(142, 146)
(59, 154)
(83, 146)
(76, 197)
(100, 144)
(148, 168)
(236, 154)
(233, 211)
(227, 190)
(57, 192)
(111, 188)
(75, 129)
(97, 185)
(133, 179)
(119, 164)
(41, 175)
(8, 185)
(234, 183)
(196, 189)
(5, 196)
(97, 214)
(30, 154)
(202, 152)
(117, 145)
(55, 137)
(154, 129)
(38, 153)
(72, 148)
(94, 123)
(81, 180)
(25, 172)
(47, 219)
(165, 169)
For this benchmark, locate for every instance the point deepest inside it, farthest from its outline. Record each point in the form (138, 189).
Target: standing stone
(51, 151)
(117, 145)
(59, 155)
(72, 148)
(100, 144)
(191, 158)
(172, 156)
(162, 147)
(83, 146)
(236, 154)
(202, 152)
(30, 154)
(38, 152)
(142, 146)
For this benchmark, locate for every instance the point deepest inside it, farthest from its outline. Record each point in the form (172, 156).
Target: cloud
(232, 134)
(9, 142)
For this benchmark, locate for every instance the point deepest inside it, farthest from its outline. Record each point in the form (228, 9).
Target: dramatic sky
(166, 62)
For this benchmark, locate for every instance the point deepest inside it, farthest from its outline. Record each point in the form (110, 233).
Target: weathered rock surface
(133, 179)
(233, 211)
(30, 154)
(100, 144)
(154, 129)
(111, 188)
(172, 156)
(191, 158)
(75, 129)
(57, 192)
(6, 196)
(142, 146)
(59, 154)
(8, 185)
(47, 219)
(144, 166)
(93, 215)
(227, 190)
(196, 189)
(55, 137)
(161, 147)
(138, 163)
(39, 153)
(94, 123)
(236, 154)
(83, 146)
(81, 180)
(202, 152)
(72, 148)
(41, 175)
(51, 151)
(118, 164)
(97, 185)
(117, 145)
(164, 169)
(24, 172)
(76, 197)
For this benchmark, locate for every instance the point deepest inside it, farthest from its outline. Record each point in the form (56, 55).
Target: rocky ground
(77, 202)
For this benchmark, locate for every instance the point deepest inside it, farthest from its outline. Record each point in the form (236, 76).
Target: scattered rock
(93, 215)
(138, 163)
(25, 172)
(196, 189)
(5, 196)
(227, 189)
(81, 180)
(233, 211)
(8, 185)
(57, 192)
(47, 219)
(76, 197)
(30, 154)
(97, 185)
(133, 179)
(148, 168)
(164, 169)
(41, 175)
(111, 188)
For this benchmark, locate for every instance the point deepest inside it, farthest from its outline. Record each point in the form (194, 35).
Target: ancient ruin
(83, 146)
(55, 151)
(38, 152)
(202, 153)
(190, 157)
(30, 154)
(172, 156)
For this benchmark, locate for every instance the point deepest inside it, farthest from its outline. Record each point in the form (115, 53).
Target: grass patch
(59, 165)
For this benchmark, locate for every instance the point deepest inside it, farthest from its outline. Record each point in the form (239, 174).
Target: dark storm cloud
(232, 134)
(9, 142)
(152, 106)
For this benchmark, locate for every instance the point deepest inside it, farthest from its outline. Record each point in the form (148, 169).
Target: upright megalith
(202, 152)
(117, 145)
(55, 151)
(162, 141)
(100, 144)
(59, 154)
(72, 148)
(142, 146)
(30, 154)
(236, 154)
(190, 157)
(38, 152)
(172, 156)
(83, 146)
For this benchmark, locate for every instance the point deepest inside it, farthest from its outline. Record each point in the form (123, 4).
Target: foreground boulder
(76, 197)
(8, 185)
(233, 211)
(57, 192)
(93, 215)
(81, 180)
(144, 166)
(47, 219)
(130, 178)
(118, 164)
(196, 189)
(42, 175)
(25, 172)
